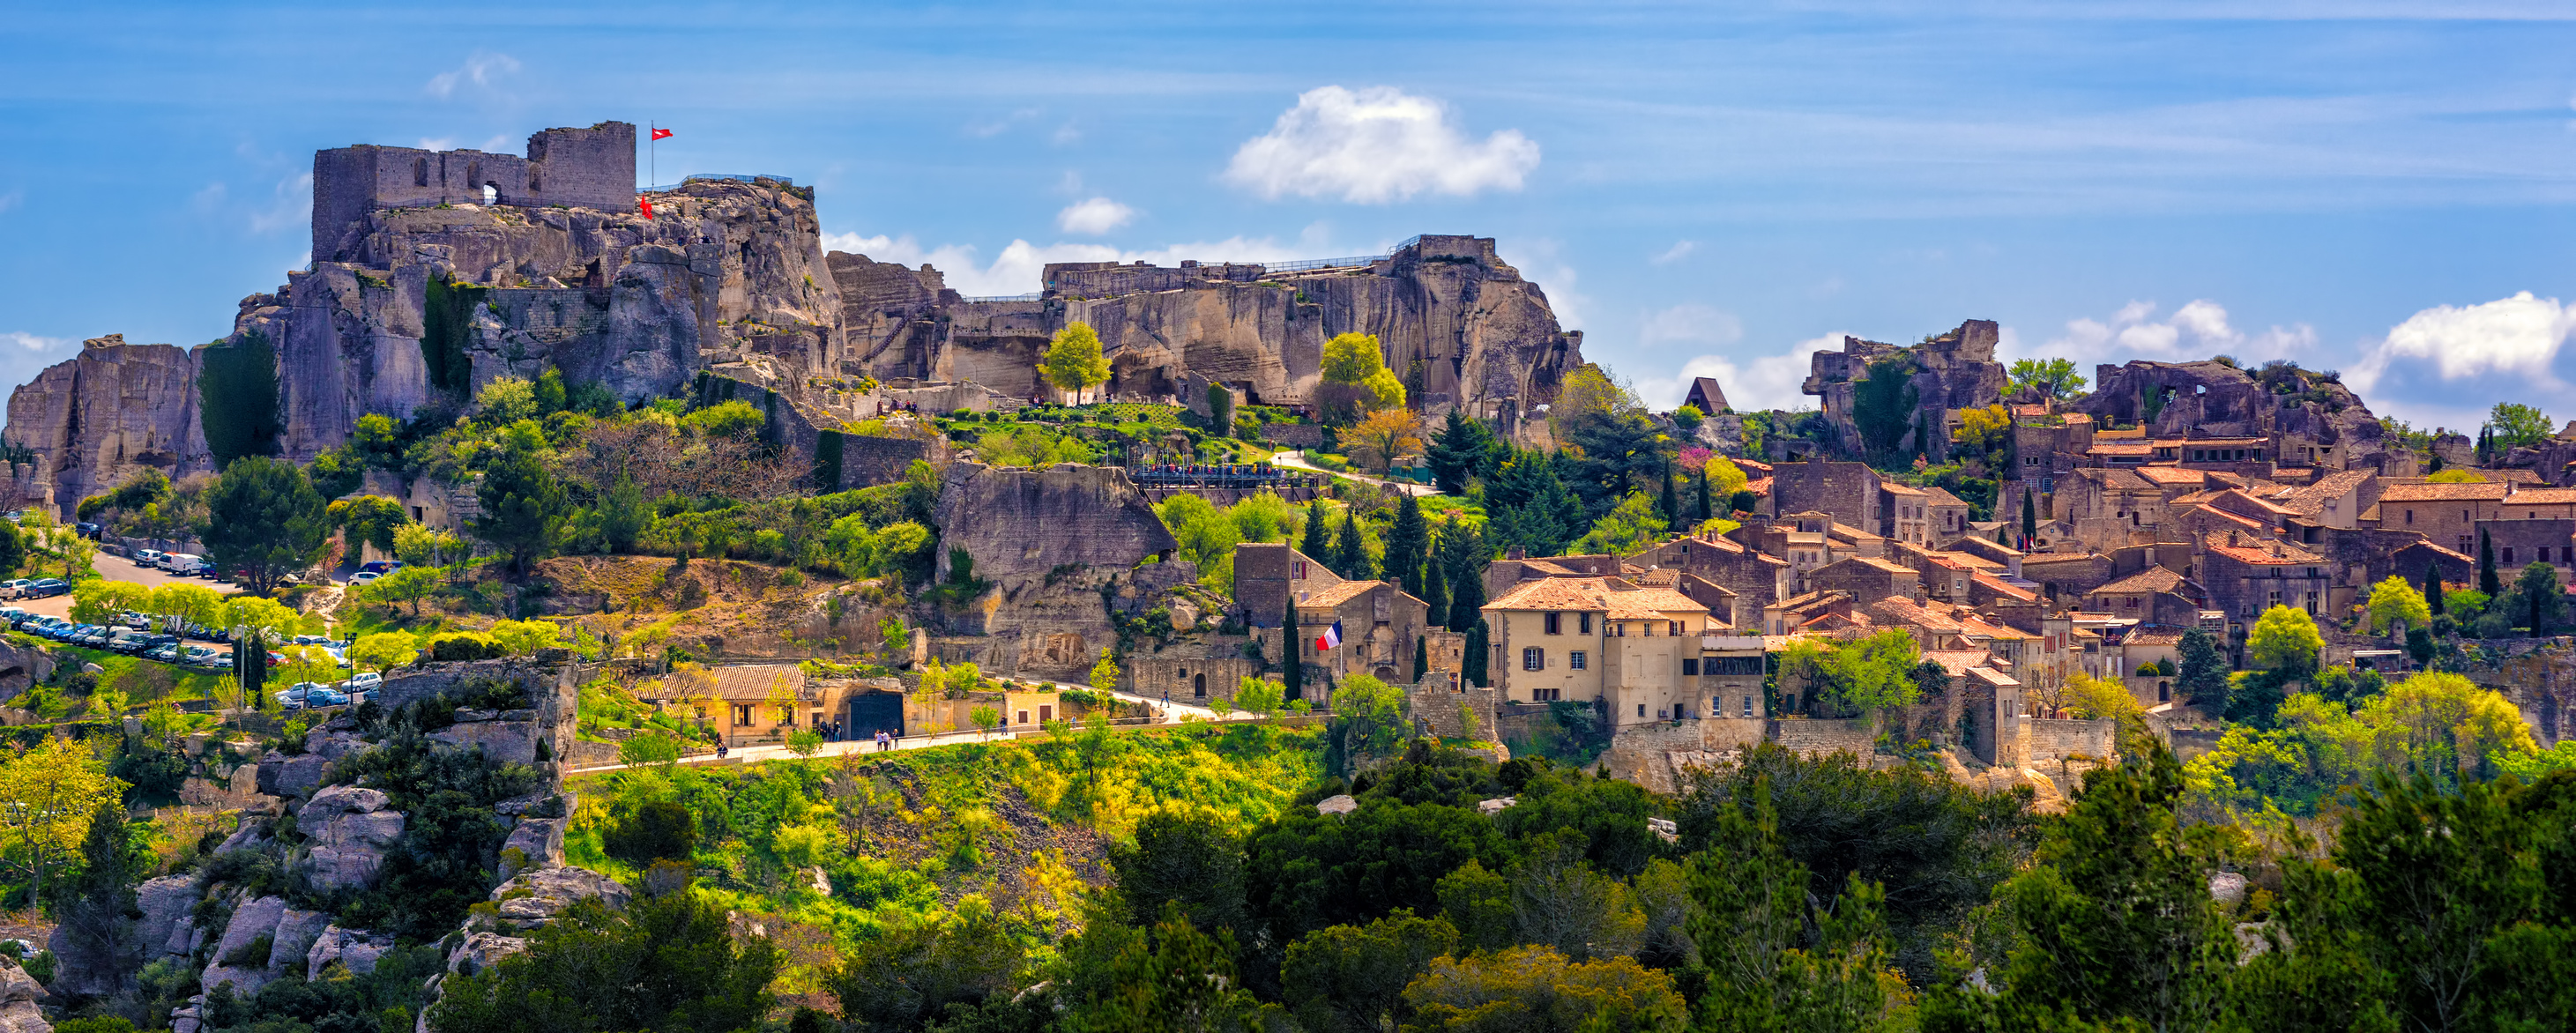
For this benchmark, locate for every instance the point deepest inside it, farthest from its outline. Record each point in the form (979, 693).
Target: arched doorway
(1198, 685)
(2164, 692)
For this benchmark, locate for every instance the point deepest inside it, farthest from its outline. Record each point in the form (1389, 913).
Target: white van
(181, 562)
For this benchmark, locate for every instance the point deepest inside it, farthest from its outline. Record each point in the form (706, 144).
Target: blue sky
(1701, 189)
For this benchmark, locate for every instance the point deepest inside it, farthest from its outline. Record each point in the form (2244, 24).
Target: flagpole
(653, 147)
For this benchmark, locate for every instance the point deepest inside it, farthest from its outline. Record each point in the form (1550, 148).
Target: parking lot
(117, 568)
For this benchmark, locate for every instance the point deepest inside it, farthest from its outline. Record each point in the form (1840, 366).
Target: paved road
(1297, 461)
(118, 568)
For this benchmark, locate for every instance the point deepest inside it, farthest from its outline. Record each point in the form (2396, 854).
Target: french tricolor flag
(1331, 637)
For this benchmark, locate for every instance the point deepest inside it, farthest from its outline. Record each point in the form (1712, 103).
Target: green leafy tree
(13, 548)
(2051, 378)
(1116, 977)
(1479, 642)
(667, 963)
(1865, 676)
(1104, 674)
(1632, 525)
(2546, 603)
(1074, 361)
(1371, 715)
(2488, 582)
(2394, 601)
(407, 585)
(523, 506)
(623, 514)
(1463, 556)
(913, 971)
(1750, 926)
(1668, 504)
(383, 651)
(1189, 863)
(1883, 403)
(550, 393)
(95, 946)
(1351, 979)
(49, 796)
(1536, 989)
(263, 520)
(1435, 593)
(2115, 923)
(101, 601)
(371, 519)
(1318, 541)
(2518, 426)
(2285, 640)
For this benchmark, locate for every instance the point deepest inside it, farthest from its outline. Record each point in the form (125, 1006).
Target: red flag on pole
(648, 207)
(660, 133)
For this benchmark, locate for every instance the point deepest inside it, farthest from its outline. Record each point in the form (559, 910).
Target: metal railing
(1039, 296)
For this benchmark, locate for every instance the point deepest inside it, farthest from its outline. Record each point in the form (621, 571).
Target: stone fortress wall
(573, 168)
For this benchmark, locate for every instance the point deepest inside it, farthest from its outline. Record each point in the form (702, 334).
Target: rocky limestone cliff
(1058, 547)
(1457, 323)
(2297, 409)
(101, 416)
(723, 270)
(1951, 371)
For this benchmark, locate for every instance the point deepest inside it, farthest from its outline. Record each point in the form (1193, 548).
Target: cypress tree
(1350, 550)
(1435, 594)
(1666, 502)
(2488, 582)
(1466, 603)
(1292, 677)
(1707, 505)
(2029, 519)
(1421, 659)
(1408, 544)
(1474, 668)
(2433, 586)
(1318, 543)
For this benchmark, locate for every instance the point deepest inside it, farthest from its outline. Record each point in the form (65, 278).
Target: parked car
(85, 529)
(195, 655)
(325, 696)
(363, 577)
(139, 644)
(363, 682)
(51, 586)
(132, 619)
(220, 663)
(96, 637)
(15, 589)
(168, 654)
(148, 557)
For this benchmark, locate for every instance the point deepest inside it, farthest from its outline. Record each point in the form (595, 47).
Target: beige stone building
(1585, 639)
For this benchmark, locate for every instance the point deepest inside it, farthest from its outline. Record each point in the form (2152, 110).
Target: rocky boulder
(239, 960)
(535, 843)
(19, 993)
(350, 831)
(22, 666)
(534, 898)
(1018, 523)
(296, 776)
(2305, 408)
(510, 736)
(354, 949)
(166, 930)
(1954, 370)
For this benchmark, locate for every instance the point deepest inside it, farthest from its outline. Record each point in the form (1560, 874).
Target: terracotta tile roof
(2107, 448)
(1958, 661)
(2152, 579)
(1545, 567)
(1813, 600)
(2170, 475)
(1346, 591)
(2480, 491)
(1554, 593)
(2003, 588)
(2543, 497)
(2123, 479)
(1759, 486)
(2244, 497)
(1894, 488)
(1979, 626)
(1895, 610)
(1849, 533)
(2428, 544)
(2157, 637)
(1874, 563)
(2261, 552)
(1650, 604)
(1659, 578)
(755, 681)
(1941, 497)
(2057, 557)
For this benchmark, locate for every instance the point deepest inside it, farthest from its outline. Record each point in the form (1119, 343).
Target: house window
(1555, 624)
(742, 715)
(1690, 667)
(1533, 659)
(1576, 660)
(2508, 555)
(2276, 598)
(1024, 718)
(787, 716)
(1674, 628)
(2129, 602)
(1748, 706)
(2544, 554)
(1046, 712)
(1641, 710)
(1583, 623)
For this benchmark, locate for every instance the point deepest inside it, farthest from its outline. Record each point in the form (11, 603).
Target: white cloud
(1375, 145)
(1542, 262)
(481, 68)
(1094, 217)
(2197, 330)
(20, 340)
(1681, 249)
(1690, 323)
(1760, 382)
(2520, 335)
(1001, 125)
(1018, 268)
(290, 204)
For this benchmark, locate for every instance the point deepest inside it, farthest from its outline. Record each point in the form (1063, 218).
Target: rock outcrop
(1948, 372)
(354, 949)
(102, 416)
(1053, 544)
(1459, 325)
(19, 993)
(22, 666)
(350, 833)
(2309, 416)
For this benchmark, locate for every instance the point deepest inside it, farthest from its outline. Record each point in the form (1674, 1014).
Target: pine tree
(1408, 544)
(1318, 543)
(2433, 586)
(1666, 502)
(1350, 550)
(2488, 582)
(1292, 666)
